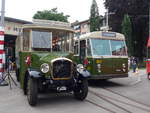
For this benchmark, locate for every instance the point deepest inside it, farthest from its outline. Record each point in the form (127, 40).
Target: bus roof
(103, 35)
(48, 24)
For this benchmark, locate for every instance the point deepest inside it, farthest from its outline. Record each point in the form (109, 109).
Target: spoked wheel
(148, 76)
(81, 91)
(32, 91)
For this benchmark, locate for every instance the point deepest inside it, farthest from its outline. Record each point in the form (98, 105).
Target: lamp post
(2, 13)
(106, 27)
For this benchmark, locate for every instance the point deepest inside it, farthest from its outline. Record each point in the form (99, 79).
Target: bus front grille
(62, 69)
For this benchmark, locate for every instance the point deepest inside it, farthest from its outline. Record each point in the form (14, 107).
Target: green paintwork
(109, 66)
(38, 58)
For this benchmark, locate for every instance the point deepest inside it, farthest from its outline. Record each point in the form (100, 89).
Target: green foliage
(127, 31)
(138, 10)
(51, 15)
(95, 19)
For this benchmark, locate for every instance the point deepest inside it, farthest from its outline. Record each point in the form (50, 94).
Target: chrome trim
(109, 56)
(62, 58)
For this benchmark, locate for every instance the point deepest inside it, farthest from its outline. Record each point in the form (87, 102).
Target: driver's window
(76, 47)
(26, 37)
(82, 50)
(88, 48)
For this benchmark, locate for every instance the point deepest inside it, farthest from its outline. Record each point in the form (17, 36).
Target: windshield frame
(110, 47)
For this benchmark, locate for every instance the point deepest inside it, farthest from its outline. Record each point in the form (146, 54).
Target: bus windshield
(108, 47)
(41, 40)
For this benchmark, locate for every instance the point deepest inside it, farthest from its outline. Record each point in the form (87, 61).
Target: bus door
(82, 50)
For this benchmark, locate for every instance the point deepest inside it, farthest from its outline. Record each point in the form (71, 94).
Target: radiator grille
(62, 69)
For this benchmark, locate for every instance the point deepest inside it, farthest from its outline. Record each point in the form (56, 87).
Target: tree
(137, 10)
(127, 31)
(95, 19)
(51, 15)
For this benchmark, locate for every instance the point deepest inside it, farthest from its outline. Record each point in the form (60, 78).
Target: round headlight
(44, 68)
(80, 67)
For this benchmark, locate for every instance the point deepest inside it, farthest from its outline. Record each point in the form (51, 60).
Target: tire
(32, 91)
(25, 84)
(81, 90)
(17, 74)
(148, 76)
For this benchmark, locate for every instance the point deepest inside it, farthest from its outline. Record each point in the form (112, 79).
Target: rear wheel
(17, 74)
(32, 91)
(81, 90)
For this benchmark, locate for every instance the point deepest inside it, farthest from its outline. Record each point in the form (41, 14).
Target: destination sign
(108, 34)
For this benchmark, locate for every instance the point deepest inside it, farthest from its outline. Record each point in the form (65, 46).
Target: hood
(48, 57)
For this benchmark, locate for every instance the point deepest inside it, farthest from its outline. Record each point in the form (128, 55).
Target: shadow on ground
(104, 83)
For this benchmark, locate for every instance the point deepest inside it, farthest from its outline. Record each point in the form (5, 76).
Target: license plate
(61, 88)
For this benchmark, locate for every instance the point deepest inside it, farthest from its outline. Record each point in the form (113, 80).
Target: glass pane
(118, 48)
(100, 47)
(41, 39)
(88, 48)
(26, 37)
(76, 48)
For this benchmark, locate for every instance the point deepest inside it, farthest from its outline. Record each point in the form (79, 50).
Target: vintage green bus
(44, 62)
(104, 54)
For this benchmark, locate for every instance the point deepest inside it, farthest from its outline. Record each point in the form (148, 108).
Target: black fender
(34, 73)
(84, 74)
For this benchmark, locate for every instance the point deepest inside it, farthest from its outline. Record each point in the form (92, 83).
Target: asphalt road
(101, 98)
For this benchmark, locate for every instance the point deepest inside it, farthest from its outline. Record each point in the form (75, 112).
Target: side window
(82, 50)
(89, 48)
(26, 40)
(76, 48)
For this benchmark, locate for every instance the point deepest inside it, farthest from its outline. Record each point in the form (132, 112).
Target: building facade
(13, 28)
(82, 27)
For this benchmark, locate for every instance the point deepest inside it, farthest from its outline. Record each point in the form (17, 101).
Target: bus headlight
(123, 67)
(80, 68)
(44, 68)
(99, 67)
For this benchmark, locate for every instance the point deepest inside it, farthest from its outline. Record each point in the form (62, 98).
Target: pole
(107, 20)
(2, 53)
(2, 13)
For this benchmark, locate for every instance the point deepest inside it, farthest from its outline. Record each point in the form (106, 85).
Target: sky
(25, 9)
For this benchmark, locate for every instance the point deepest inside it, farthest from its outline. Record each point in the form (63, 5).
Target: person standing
(134, 64)
(9, 63)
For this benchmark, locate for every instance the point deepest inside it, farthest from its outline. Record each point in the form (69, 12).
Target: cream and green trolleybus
(104, 54)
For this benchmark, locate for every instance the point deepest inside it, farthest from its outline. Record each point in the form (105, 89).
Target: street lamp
(106, 27)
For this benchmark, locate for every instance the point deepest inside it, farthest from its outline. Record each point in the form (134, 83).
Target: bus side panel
(23, 66)
(76, 59)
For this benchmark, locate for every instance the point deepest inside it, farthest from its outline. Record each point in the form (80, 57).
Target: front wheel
(32, 91)
(17, 74)
(148, 76)
(81, 91)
